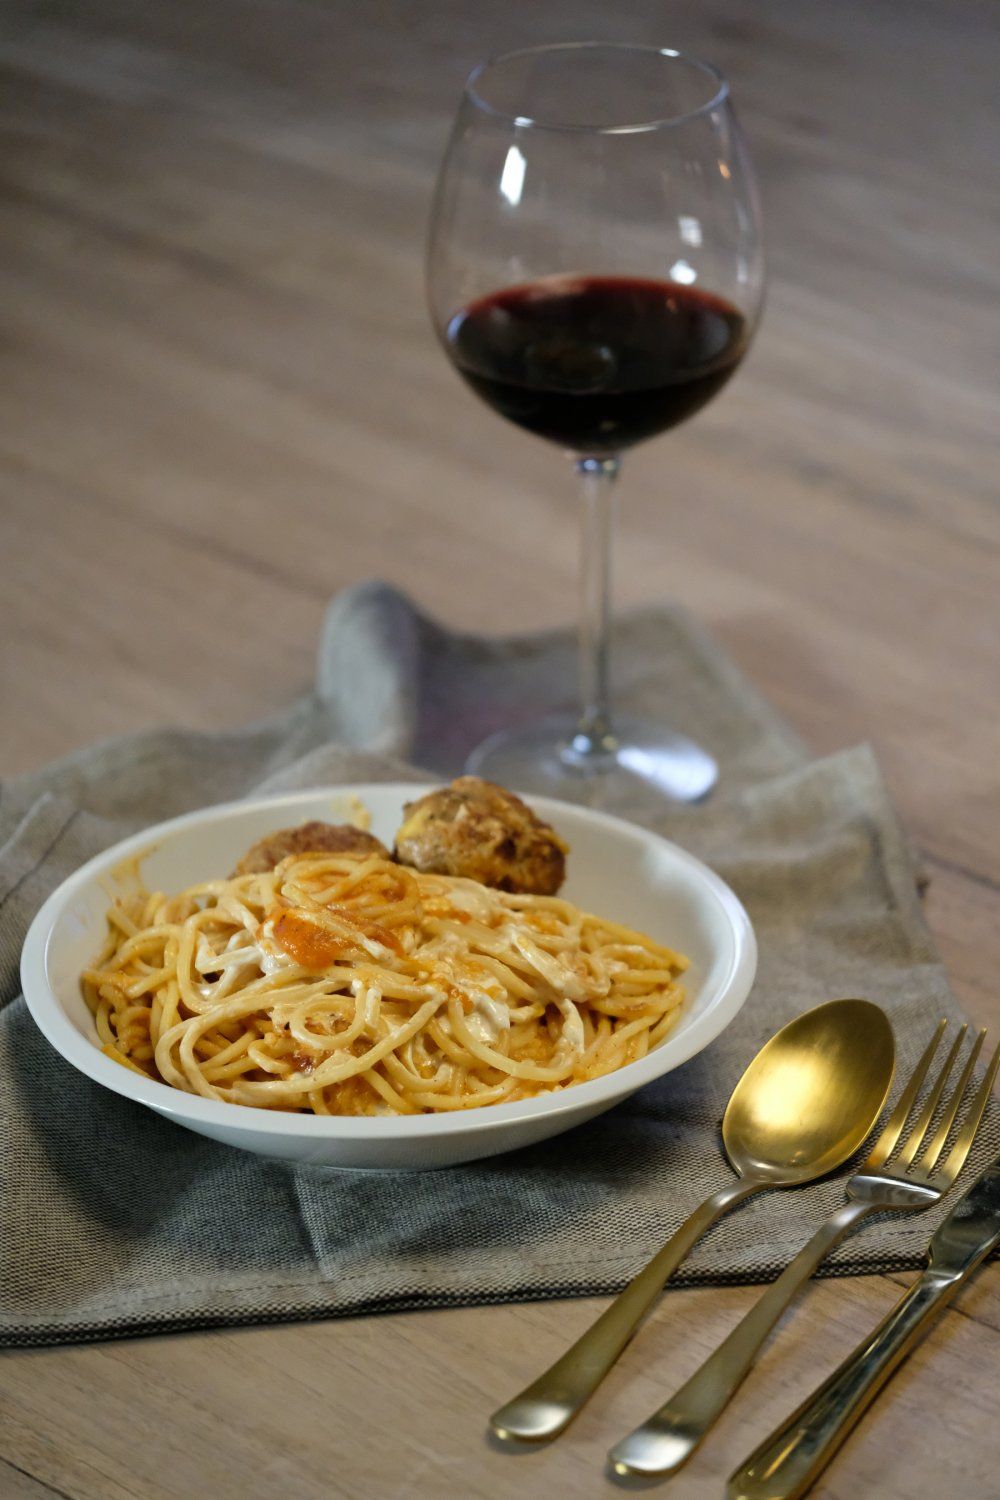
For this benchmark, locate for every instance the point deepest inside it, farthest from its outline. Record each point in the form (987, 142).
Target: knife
(791, 1459)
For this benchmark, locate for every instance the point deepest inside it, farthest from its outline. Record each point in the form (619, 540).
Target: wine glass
(595, 273)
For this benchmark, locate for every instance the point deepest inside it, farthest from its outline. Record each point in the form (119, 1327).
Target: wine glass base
(635, 774)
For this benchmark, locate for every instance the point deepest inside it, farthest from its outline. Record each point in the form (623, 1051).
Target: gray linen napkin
(115, 1222)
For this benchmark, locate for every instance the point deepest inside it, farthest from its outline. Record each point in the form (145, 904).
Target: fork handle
(791, 1459)
(667, 1439)
(547, 1406)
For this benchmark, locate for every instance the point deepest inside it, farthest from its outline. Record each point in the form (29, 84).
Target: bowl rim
(83, 1054)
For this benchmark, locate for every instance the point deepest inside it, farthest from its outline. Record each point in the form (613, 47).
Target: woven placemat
(114, 1222)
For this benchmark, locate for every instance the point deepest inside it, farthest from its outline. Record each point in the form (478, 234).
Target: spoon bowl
(811, 1096)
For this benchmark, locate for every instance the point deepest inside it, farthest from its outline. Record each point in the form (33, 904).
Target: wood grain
(220, 401)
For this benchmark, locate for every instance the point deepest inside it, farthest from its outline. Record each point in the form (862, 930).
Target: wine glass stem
(594, 741)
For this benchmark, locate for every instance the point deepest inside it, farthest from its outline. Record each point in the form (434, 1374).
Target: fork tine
(911, 1145)
(955, 1160)
(931, 1152)
(893, 1128)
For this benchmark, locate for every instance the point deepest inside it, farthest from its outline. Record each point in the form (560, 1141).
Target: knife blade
(791, 1459)
(971, 1230)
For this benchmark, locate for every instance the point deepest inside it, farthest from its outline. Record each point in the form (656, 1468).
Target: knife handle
(791, 1458)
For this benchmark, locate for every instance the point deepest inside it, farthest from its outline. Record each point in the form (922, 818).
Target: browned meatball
(478, 830)
(308, 838)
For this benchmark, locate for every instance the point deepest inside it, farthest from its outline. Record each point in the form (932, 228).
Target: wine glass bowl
(595, 274)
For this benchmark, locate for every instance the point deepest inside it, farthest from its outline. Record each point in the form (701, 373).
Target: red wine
(597, 363)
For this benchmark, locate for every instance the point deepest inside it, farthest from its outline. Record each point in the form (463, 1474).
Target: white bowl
(615, 868)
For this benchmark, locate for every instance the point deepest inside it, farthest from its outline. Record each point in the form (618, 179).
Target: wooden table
(221, 401)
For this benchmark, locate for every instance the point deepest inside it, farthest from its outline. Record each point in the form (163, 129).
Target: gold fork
(668, 1438)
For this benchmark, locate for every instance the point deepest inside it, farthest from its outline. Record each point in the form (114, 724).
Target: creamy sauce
(229, 962)
(563, 981)
(371, 1000)
(489, 1018)
(573, 1036)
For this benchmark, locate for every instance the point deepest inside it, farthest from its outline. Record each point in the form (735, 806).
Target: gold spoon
(804, 1105)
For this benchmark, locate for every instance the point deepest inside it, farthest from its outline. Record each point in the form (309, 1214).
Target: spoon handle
(547, 1406)
(667, 1439)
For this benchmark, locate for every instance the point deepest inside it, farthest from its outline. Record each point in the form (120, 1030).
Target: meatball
(308, 838)
(475, 829)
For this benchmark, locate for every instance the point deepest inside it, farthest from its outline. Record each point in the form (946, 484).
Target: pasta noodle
(349, 984)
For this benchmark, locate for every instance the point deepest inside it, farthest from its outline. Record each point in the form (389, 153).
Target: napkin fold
(114, 1222)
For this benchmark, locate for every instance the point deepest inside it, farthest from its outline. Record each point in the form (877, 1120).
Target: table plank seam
(955, 868)
(8, 1463)
(255, 566)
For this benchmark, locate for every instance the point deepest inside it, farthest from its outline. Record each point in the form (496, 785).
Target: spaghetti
(349, 984)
